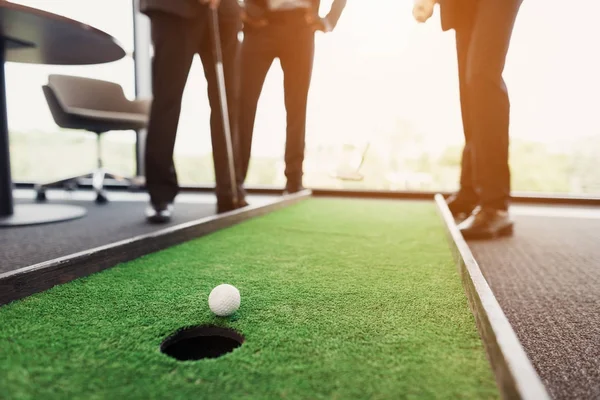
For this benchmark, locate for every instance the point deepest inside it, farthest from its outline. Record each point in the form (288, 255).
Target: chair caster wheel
(40, 195)
(101, 198)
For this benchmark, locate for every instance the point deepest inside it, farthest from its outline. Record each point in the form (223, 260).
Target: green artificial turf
(341, 299)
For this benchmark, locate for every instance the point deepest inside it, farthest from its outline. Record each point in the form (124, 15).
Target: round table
(32, 36)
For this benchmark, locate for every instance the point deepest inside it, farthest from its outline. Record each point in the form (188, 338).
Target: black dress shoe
(223, 207)
(291, 188)
(486, 223)
(227, 204)
(242, 203)
(159, 213)
(461, 206)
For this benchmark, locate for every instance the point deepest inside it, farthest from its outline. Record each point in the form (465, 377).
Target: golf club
(352, 174)
(216, 38)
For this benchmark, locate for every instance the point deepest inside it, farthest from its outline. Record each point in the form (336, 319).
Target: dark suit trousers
(482, 44)
(176, 40)
(290, 39)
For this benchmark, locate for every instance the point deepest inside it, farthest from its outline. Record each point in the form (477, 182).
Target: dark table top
(38, 37)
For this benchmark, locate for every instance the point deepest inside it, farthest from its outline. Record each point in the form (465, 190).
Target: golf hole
(200, 342)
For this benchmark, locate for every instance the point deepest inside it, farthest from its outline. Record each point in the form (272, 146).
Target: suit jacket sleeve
(187, 8)
(180, 8)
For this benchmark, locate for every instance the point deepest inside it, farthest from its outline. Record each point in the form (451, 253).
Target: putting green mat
(341, 299)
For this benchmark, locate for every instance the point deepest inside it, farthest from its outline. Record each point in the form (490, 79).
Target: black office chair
(96, 106)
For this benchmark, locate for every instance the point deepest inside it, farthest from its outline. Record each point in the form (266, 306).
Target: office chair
(96, 106)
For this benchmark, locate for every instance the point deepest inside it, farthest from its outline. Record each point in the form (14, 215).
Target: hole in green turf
(199, 342)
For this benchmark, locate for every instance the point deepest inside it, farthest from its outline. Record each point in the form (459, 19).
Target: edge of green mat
(15, 285)
(515, 375)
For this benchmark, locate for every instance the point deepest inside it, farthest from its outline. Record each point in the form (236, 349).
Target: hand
(318, 24)
(423, 10)
(214, 4)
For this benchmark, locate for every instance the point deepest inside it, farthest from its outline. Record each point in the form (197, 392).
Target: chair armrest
(141, 106)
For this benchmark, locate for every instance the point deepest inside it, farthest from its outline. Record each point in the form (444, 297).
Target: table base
(37, 214)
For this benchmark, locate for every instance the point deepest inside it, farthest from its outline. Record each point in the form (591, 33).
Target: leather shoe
(292, 188)
(486, 223)
(461, 206)
(226, 204)
(159, 213)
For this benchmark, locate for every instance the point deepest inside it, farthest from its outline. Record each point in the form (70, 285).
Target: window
(34, 137)
(392, 83)
(384, 81)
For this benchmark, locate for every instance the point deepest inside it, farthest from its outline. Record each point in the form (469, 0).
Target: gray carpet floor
(103, 224)
(547, 280)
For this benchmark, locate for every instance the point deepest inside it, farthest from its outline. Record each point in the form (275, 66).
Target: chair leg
(40, 194)
(98, 185)
(110, 175)
(132, 183)
(100, 173)
(69, 184)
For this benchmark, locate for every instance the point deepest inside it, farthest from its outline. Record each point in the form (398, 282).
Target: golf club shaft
(218, 55)
(362, 157)
(356, 171)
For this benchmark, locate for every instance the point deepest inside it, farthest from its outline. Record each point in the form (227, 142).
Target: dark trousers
(176, 40)
(482, 44)
(289, 38)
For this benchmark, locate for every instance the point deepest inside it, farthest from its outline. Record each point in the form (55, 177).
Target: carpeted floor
(547, 280)
(341, 299)
(105, 224)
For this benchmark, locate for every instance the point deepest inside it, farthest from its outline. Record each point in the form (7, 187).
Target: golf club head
(353, 176)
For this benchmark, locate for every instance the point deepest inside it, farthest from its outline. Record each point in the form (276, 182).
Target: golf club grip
(220, 75)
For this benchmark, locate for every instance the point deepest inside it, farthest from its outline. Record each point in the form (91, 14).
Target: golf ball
(224, 300)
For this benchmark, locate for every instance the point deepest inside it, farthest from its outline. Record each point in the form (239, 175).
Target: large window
(385, 81)
(391, 82)
(34, 137)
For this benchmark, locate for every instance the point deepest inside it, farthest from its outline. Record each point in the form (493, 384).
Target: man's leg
(170, 67)
(229, 27)
(463, 203)
(489, 105)
(231, 46)
(488, 116)
(257, 55)
(463, 37)
(297, 58)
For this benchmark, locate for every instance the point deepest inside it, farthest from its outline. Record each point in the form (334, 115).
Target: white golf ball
(224, 300)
